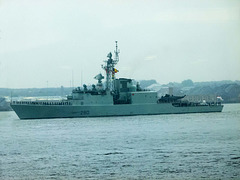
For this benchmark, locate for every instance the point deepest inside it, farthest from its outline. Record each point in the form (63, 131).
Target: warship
(115, 97)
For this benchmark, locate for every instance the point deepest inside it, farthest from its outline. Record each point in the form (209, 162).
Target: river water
(185, 146)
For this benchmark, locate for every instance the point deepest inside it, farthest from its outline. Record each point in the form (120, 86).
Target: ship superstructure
(118, 97)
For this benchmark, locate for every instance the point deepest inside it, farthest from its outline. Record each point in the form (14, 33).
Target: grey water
(180, 146)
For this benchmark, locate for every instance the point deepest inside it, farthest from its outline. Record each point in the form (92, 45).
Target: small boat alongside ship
(117, 97)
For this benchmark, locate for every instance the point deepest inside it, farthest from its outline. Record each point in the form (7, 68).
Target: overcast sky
(45, 42)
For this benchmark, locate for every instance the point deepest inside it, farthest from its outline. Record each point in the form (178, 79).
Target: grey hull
(52, 111)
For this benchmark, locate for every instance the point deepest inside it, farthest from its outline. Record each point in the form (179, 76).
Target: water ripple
(191, 146)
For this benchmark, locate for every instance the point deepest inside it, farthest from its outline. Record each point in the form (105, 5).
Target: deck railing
(49, 103)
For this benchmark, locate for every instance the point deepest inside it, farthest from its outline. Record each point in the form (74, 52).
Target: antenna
(72, 80)
(81, 78)
(116, 53)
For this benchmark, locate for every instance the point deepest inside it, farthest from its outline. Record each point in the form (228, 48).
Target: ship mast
(116, 53)
(110, 68)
